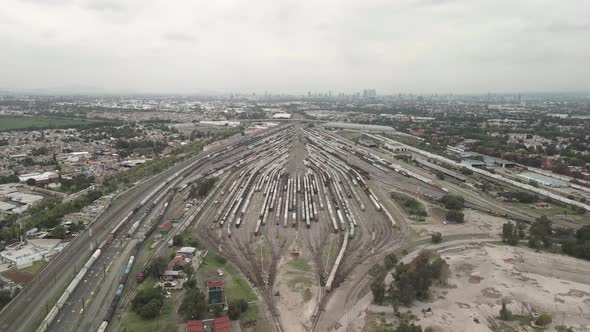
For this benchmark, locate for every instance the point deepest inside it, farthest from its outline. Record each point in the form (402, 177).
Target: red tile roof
(194, 326)
(211, 284)
(222, 324)
(177, 260)
(166, 227)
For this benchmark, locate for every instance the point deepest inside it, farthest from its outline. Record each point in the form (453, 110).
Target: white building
(281, 116)
(544, 180)
(24, 254)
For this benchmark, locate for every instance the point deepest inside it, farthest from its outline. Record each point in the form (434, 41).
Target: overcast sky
(295, 46)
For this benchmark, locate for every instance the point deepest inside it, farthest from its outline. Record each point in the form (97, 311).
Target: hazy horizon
(185, 47)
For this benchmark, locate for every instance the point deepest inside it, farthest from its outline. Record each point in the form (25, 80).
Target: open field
(36, 267)
(531, 282)
(26, 122)
(23, 276)
(297, 291)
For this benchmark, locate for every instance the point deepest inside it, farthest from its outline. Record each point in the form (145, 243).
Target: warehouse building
(544, 180)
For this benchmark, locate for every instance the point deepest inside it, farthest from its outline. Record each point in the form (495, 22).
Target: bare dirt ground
(297, 285)
(475, 222)
(536, 282)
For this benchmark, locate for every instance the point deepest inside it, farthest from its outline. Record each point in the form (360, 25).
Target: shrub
(453, 202)
(436, 237)
(544, 320)
(456, 216)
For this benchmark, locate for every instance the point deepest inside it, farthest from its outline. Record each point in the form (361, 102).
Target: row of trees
(520, 196)
(454, 204)
(411, 281)
(410, 204)
(542, 234)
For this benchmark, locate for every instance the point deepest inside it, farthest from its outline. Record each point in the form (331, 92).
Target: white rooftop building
(39, 177)
(24, 254)
(544, 180)
(281, 116)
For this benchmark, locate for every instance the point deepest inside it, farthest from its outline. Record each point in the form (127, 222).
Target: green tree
(453, 202)
(159, 265)
(150, 310)
(178, 240)
(505, 313)
(456, 216)
(440, 270)
(5, 297)
(436, 237)
(544, 320)
(204, 185)
(59, 232)
(148, 302)
(378, 289)
(194, 304)
(521, 227)
(541, 230)
(236, 308)
(390, 261)
(405, 292)
(408, 327)
(510, 234)
(218, 311)
(190, 283)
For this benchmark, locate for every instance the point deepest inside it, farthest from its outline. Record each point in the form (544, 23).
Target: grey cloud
(294, 46)
(179, 37)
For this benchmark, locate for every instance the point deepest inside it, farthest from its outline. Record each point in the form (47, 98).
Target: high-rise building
(369, 93)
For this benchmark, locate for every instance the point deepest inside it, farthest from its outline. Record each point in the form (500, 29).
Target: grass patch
(299, 264)
(251, 315)
(299, 282)
(550, 211)
(166, 321)
(236, 286)
(409, 204)
(332, 249)
(35, 268)
(31, 122)
(351, 135)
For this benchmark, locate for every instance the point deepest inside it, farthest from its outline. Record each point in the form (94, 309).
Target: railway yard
(302, 212)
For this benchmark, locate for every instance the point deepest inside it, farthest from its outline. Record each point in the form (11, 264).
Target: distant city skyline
(292, 47)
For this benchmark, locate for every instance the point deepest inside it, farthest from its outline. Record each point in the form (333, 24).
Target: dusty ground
(297, 285)
(481, 277)
(475, 222)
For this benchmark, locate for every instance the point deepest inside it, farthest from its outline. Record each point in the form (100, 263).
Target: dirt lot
(475, 222)
(298, 288)
(541, 282)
